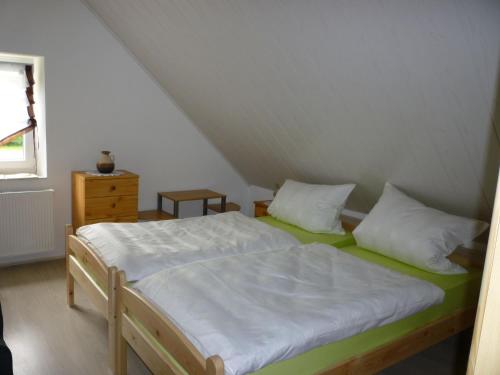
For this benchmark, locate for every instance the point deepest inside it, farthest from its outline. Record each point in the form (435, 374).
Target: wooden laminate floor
(49, 338)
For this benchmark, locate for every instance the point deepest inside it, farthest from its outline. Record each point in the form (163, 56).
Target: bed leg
(121, 344)
(112, 316)
(215, 365)
(70, 282)
(121, 365)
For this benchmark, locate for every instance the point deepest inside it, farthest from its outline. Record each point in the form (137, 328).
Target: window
(22, 131)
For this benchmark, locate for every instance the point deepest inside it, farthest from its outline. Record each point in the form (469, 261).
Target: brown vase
(106, 163)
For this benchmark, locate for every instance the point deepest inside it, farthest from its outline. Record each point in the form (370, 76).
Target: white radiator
(26, 224)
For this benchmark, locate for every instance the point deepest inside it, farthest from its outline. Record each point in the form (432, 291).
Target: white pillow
(402, 228)
(315, 208)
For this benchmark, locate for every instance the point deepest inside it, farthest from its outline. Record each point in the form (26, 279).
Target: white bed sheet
(140, 249)
(255, 309)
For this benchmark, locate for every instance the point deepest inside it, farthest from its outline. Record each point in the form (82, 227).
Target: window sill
(20, 176)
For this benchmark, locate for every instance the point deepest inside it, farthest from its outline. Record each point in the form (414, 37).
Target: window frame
(28, 165)
(35, 163)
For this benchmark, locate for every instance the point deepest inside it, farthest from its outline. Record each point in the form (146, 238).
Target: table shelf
(230, 206)
(154, 215)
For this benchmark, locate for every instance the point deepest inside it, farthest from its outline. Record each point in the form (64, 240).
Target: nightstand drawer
(108, 207)
(111, 187)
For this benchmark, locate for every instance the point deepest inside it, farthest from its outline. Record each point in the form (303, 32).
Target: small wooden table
(191, 195)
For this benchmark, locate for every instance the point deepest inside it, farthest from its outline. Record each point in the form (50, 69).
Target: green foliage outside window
(16, 143)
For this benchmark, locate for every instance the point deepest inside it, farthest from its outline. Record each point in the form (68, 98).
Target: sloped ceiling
(333, 91)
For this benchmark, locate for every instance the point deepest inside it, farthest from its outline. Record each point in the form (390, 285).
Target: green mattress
(337, 240)
(460, 291)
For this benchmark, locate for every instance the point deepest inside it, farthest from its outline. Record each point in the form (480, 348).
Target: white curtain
(13, 100)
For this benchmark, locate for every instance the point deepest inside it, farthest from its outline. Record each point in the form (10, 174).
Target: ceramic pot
(106, 163)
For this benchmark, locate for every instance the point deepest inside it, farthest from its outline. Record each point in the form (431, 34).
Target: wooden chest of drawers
(99, 199)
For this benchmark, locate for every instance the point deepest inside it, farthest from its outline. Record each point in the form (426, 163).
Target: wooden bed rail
(141, 325)
(414, 342)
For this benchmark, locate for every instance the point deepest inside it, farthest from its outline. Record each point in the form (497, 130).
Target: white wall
(334, 91)
(98, 97)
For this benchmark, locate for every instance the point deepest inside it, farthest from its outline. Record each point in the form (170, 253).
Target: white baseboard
(11, 260)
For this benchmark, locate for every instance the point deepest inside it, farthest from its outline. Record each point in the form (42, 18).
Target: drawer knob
(113, 188)
(113, 205)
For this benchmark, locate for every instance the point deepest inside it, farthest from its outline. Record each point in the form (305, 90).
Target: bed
(97, 277)
(163, 346)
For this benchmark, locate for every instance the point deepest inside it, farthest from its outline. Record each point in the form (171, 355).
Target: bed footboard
(85, 267)
(97, 281)
(144, 327)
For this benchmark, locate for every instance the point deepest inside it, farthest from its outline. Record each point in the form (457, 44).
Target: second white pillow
(315, 208)
(400, 227)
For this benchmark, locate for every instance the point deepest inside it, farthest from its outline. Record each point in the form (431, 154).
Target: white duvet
(259, 308)
(141, 249)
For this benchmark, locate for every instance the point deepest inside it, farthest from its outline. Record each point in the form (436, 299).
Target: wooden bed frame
(101, 283)
(136, 315)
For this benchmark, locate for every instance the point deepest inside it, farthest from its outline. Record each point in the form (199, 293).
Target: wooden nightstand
(97, 199)
(261, 208)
